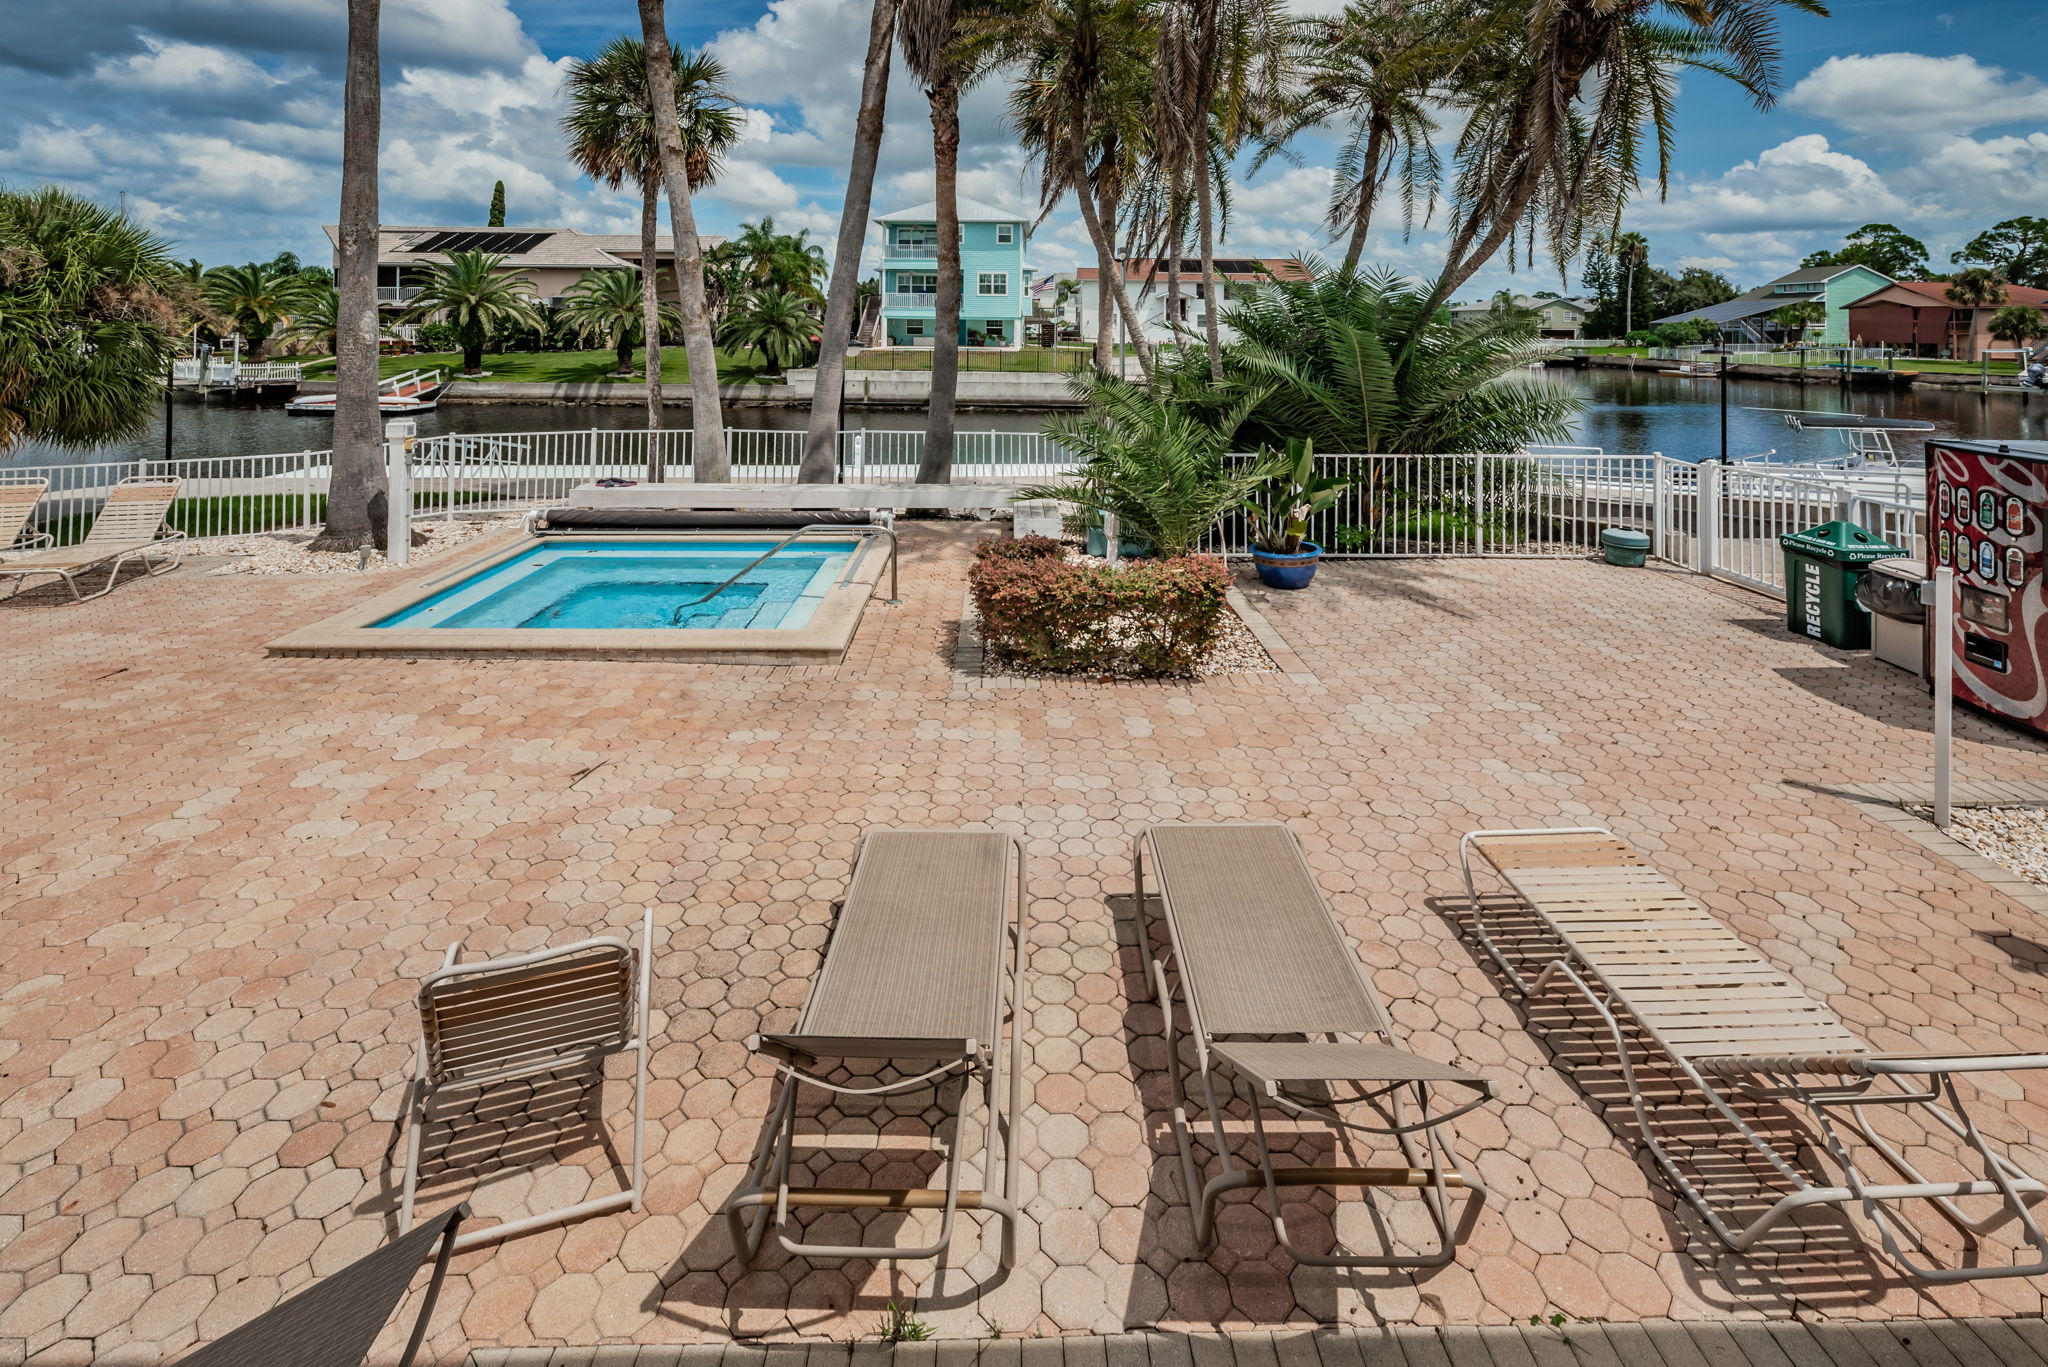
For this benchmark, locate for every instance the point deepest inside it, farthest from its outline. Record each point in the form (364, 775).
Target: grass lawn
(562, 367)
(243, 514)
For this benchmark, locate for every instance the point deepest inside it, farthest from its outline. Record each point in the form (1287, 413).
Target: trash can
(1898, 619)
(1624, 547)
(1822, 567)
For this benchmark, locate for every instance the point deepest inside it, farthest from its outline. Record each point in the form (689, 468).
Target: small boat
(416, 391)
(1691, 372)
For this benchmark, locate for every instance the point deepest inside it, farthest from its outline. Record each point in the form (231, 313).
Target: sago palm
(476, 297)
(606, 305)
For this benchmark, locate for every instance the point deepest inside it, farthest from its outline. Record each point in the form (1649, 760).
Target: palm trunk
(1212, 289)
(935, 465)
(1173, 284)
(357, 478)
(1105, 253)
(1368, 191)
(821, 441)
(707, 417)
(1105, 317)
(650, 324)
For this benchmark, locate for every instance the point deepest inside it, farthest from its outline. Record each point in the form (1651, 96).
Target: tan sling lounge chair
(522, 1016)
(1725, 1015)
(130, 526)
(18, 502)
(921, 972)
(1273, 990)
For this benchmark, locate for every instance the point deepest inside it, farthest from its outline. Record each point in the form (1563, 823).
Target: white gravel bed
(2015, 837)
(286, 553)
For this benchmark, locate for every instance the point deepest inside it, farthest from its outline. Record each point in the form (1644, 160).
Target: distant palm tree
(475, 297)
(87, 301)
(1797, 317)
(1977, 287)
(256, 300)
(610, 128)
(317, 322)
(356, 486)
(777, 323)
(2018, 324)
(783, 261)
(1631, 250)
(821, 438)
(606, 304)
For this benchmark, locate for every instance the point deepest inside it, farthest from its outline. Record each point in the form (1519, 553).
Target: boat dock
(233, 380)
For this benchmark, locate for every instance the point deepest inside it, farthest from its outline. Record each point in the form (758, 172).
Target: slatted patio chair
(1273, 991)
(18, 500)
(1631, 939)
(130, 526)
(523, 1016)
(335, 1322)
(922, 970)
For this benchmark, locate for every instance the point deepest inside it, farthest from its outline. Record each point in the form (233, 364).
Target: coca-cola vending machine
(1987, 505)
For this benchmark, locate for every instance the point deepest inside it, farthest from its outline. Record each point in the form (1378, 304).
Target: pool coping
(348, 634)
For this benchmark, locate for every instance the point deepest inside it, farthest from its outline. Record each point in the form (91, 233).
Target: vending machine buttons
(2015, 566)
(1987, 509)
(2015, 517)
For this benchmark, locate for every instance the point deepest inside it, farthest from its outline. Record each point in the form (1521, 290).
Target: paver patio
(220, 874)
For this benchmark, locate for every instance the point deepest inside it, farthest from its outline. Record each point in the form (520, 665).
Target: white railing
(231, 372)
(905, 251)
(919, 300)
(1719, 520)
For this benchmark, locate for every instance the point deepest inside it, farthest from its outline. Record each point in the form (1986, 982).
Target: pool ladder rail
(853, 562)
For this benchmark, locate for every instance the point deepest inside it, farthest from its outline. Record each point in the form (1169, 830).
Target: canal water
(1625, 414)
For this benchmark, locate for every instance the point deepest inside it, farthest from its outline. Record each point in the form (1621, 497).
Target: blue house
(993, 284)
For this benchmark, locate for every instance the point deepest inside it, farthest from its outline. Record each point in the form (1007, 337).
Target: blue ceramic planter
(1288, 571)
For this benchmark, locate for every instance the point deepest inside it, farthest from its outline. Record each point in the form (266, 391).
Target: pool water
(637, 585)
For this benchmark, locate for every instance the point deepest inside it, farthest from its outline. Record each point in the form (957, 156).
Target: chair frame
(155, 559)
(27, 536)
(1432, 1167)
(1921, 1081)
(765, 1197)
(424, 1086)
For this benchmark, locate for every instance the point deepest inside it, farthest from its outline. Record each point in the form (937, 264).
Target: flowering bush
(1145, 619)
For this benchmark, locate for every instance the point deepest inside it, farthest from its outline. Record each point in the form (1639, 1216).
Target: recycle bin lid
(1841, 543)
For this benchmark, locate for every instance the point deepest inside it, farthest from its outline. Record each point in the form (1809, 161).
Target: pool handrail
(840, 528)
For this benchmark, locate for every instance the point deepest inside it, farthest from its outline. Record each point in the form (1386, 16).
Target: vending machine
(1987, 507)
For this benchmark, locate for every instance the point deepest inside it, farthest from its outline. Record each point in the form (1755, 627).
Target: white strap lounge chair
(130, 526)
(522, 1016)
(18, 502)
(921, 971)
(1631, 939)
(1274, 992)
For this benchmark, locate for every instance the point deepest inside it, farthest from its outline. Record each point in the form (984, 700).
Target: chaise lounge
(1632, 939)
(1271, 990)
(130, 526)
(921, 972)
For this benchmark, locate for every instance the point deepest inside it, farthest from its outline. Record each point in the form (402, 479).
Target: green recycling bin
(1822, 567)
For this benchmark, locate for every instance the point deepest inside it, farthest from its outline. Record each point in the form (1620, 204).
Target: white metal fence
(1722, 521)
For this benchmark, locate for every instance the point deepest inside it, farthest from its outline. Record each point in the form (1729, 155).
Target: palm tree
(610, 127)
(1382, 69)
(87, 303)
(821, 440)
(1631, 250)
(929, 33)
(318, 320)
(356, 484)
(606, 304)
(783, 261)
(1796, 318)
(2018, 324)
(777, 323)
(256, 299)
(472, 295)
(673, 149)
(1559, 92)
(1977, 287)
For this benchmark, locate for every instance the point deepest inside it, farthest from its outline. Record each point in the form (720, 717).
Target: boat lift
(1867, 439)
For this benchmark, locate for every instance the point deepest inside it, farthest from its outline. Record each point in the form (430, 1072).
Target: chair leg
(416, 1123)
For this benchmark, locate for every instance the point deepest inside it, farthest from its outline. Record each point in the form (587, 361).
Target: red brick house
(1916, 317)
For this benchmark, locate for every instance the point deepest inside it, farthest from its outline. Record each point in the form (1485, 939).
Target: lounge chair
(922, 972)
(335, 1322)
(18, 502)
(1273, 991)
(524, 1015)
(1631, 938)
(130, 526)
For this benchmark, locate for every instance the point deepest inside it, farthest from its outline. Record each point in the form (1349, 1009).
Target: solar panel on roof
(497, 241)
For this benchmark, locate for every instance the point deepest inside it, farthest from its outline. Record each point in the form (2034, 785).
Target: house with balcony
(550, 260)
(1168, 316)
(1918, 318)
(1748, 317)
(994, 298)
(1558, 317)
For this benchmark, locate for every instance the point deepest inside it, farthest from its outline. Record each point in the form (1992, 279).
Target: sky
(219, 122)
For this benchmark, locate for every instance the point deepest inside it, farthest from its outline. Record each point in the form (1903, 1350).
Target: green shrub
(1145, 619)
(1020, 548)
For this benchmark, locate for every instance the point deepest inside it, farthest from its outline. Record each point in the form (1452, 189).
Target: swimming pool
(637, 586)
(624, 596)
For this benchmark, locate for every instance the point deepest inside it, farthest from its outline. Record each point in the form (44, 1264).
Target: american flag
(1042, 286)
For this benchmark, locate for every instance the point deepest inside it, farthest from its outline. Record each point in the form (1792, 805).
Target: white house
(1147, 288)
(1556, 316)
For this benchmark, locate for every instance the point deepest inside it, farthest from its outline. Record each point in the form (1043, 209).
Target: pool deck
(221, 872)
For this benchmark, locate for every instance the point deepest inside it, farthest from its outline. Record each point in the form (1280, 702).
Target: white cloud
(220, 172)
(166, 68)
(1916, 97)
(1799, 184)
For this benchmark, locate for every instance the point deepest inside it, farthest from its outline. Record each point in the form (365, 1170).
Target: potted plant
(1279, 514)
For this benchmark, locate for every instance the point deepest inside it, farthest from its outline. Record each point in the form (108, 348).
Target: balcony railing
(919, 300)
(902, 252)
(396, 294)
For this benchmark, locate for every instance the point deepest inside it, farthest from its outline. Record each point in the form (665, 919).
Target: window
(1006, 234)
(921, 235)
(994, 327)
(993, 282)
(913, 327)
(917, 282)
